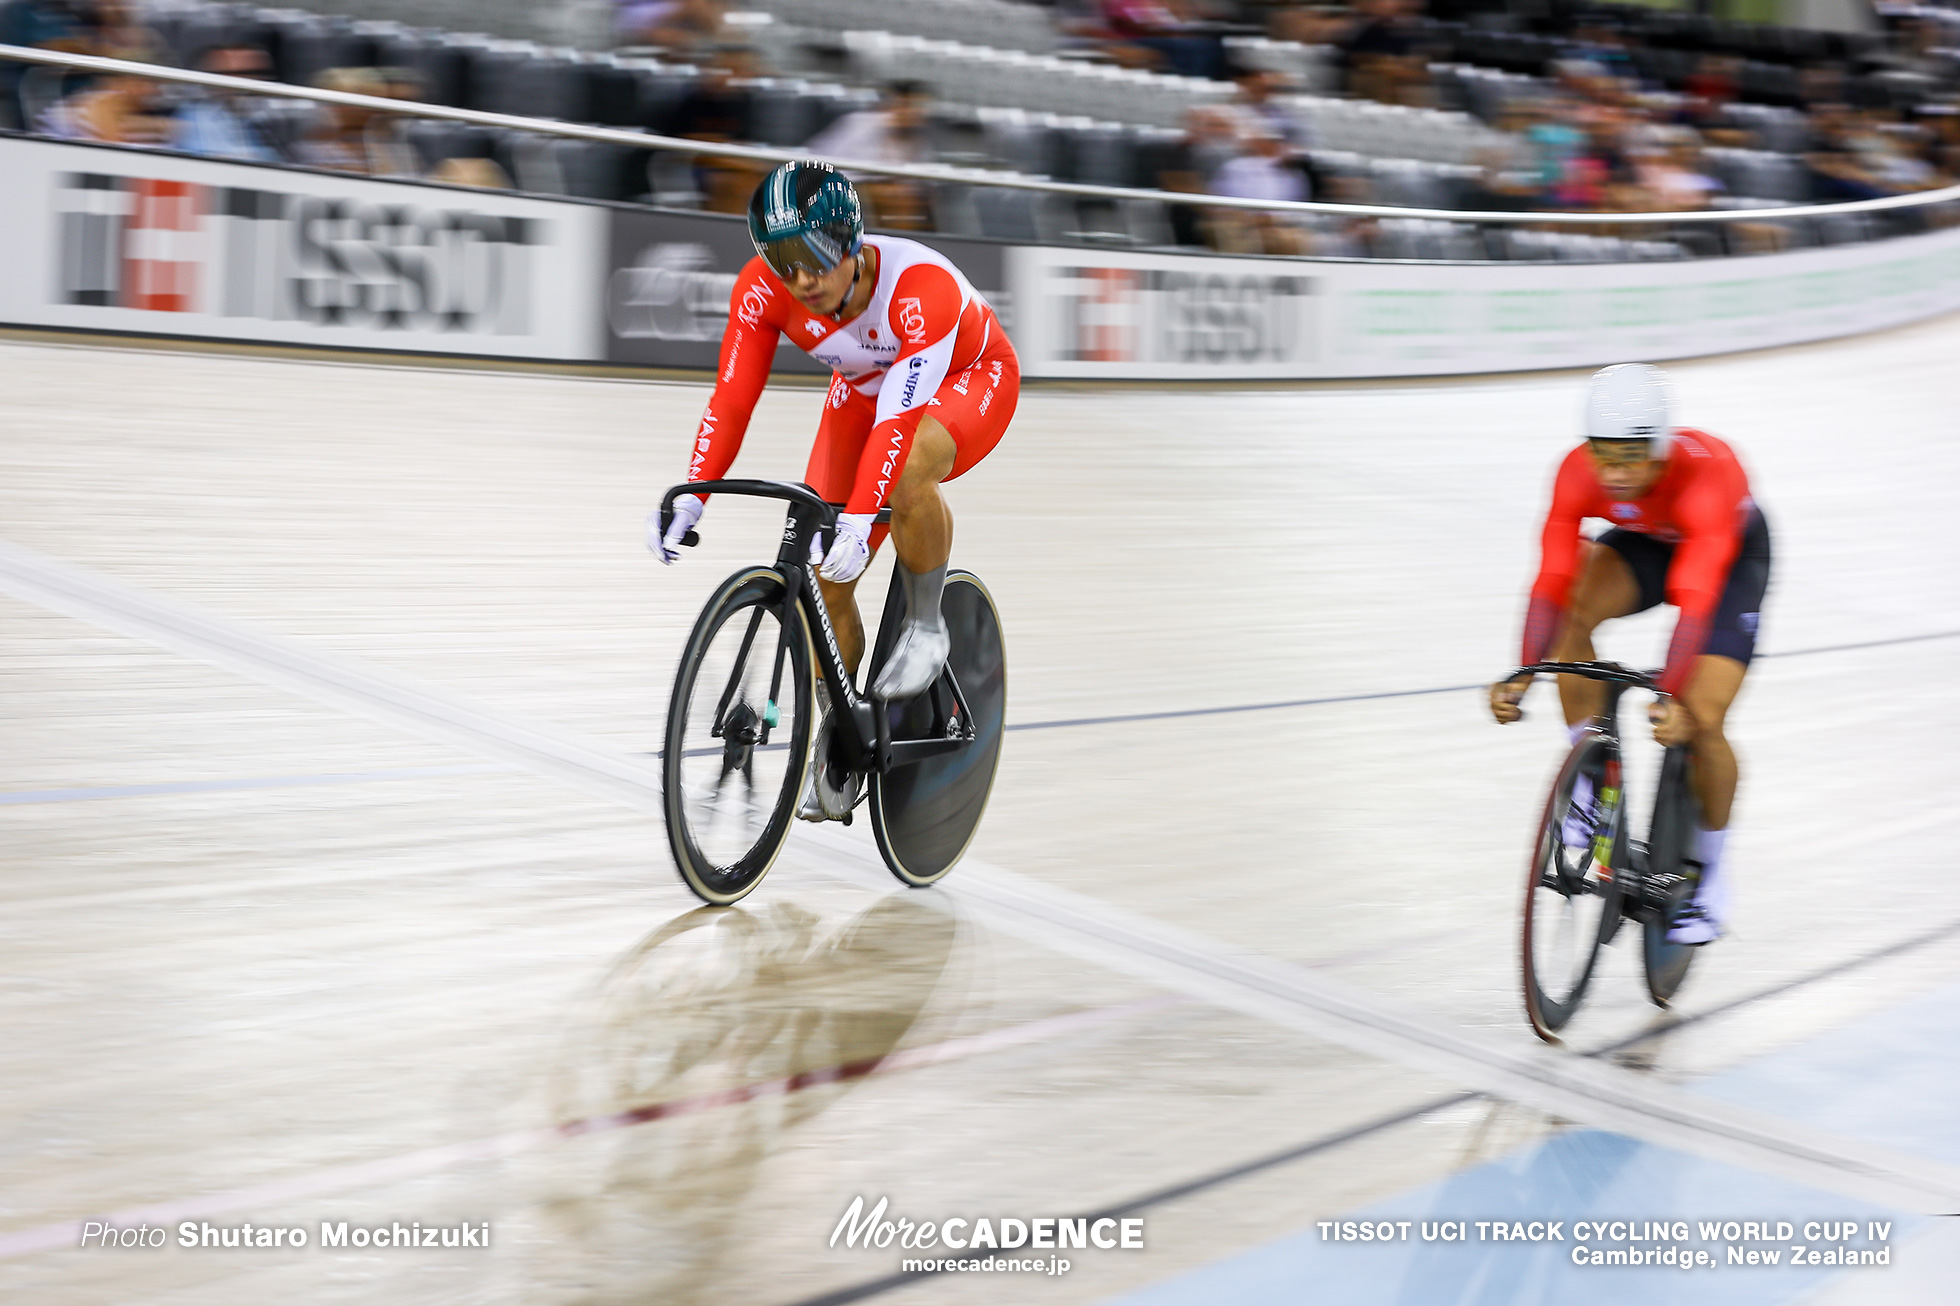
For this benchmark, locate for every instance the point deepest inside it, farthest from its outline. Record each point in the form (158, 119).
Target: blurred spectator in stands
(1556, 141)
(1211, 140)
(719, 107)
(46, 25)
(1885, 152)
(1605, 46)
(1911, 52)
(117, 109)
(1614, 186)
(1347, 237)
(71, 26)
(1265, 171)
(1943, 121)
(1501, 188)
(1670, 176)
(677, 26)
(1821, 84)
(1710, 89)
(1309, 25)
(1166, 30)
(355, 138)
(1259, 104)
(893, 132)
(1383, 53)
(217, 123)
(1857, 157)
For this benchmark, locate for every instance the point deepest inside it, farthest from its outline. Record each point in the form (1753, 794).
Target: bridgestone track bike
(739, 725)
(1586, 875)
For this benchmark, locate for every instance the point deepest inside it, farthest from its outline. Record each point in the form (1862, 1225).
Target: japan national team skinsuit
(927, 343)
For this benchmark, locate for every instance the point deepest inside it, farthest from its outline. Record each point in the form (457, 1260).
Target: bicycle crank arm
(905, 752)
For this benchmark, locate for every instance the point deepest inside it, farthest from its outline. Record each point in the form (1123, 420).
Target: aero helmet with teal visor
(806, 216)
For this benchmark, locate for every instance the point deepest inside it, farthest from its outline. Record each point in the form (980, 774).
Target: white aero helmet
(1631, 401)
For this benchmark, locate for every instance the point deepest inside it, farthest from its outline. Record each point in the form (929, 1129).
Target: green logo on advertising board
(1638, 306)
(1404, 312)
(1528, 310)
(1727, 300)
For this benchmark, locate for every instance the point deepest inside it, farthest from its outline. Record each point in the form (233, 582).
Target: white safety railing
(943, 173)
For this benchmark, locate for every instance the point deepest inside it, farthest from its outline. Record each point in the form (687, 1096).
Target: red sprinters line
(409, 1165)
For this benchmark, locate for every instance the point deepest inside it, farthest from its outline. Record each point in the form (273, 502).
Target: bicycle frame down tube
(1617, 859)
(800, 586)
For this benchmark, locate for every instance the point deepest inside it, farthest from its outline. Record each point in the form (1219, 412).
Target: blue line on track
(1826, 1082)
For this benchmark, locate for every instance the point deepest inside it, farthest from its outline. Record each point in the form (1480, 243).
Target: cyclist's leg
(847, 420)
(1719, 672)
(1708, 695)
(965, 420)
(1611, 584)
(922, 524)
(1710, 691)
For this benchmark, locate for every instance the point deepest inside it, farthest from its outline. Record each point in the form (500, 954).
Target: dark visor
(812, 251)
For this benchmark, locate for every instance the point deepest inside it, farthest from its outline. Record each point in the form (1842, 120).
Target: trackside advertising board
(126, 240)
(113, 239)
(1092, 313)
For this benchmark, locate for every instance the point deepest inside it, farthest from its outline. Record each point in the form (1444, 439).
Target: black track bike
(1586, 875)
(744, 709)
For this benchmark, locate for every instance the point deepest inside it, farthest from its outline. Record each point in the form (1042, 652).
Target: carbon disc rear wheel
(924, 814)
(1675, 816)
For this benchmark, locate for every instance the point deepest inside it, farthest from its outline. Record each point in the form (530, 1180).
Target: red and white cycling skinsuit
(1699, 504)
(926, 343)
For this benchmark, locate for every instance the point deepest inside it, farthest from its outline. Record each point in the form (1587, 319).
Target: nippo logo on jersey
(911, 319)
(181, 247)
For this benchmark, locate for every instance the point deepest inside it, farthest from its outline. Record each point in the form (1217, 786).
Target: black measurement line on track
(75, 795)
(1327, 1142)
(1127, 718)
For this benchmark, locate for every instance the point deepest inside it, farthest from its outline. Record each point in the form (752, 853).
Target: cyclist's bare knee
(1711, 692)
(926, 465)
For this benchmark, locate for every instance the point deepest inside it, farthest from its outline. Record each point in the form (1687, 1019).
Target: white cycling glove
(851, 551)
(687, 511)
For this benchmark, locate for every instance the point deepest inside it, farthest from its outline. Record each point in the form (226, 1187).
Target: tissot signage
(158, 244)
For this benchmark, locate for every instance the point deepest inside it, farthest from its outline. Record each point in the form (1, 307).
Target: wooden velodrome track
(270, 957)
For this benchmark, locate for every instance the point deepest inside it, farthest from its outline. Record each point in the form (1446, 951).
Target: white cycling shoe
(923, 643)
(915, 661)
(1701, 921)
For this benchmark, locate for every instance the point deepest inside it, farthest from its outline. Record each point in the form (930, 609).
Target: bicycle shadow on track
(717, 1035)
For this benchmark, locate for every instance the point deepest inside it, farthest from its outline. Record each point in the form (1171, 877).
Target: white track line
(1587, 1092)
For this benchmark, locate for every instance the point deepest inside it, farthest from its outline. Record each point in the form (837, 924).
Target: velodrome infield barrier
(113, 239)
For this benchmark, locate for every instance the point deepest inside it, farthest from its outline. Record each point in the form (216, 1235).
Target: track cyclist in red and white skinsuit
(924, 385)
(1684, 530)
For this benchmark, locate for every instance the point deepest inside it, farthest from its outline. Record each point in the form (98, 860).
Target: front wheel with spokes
(1571, 897)
(738, 737)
